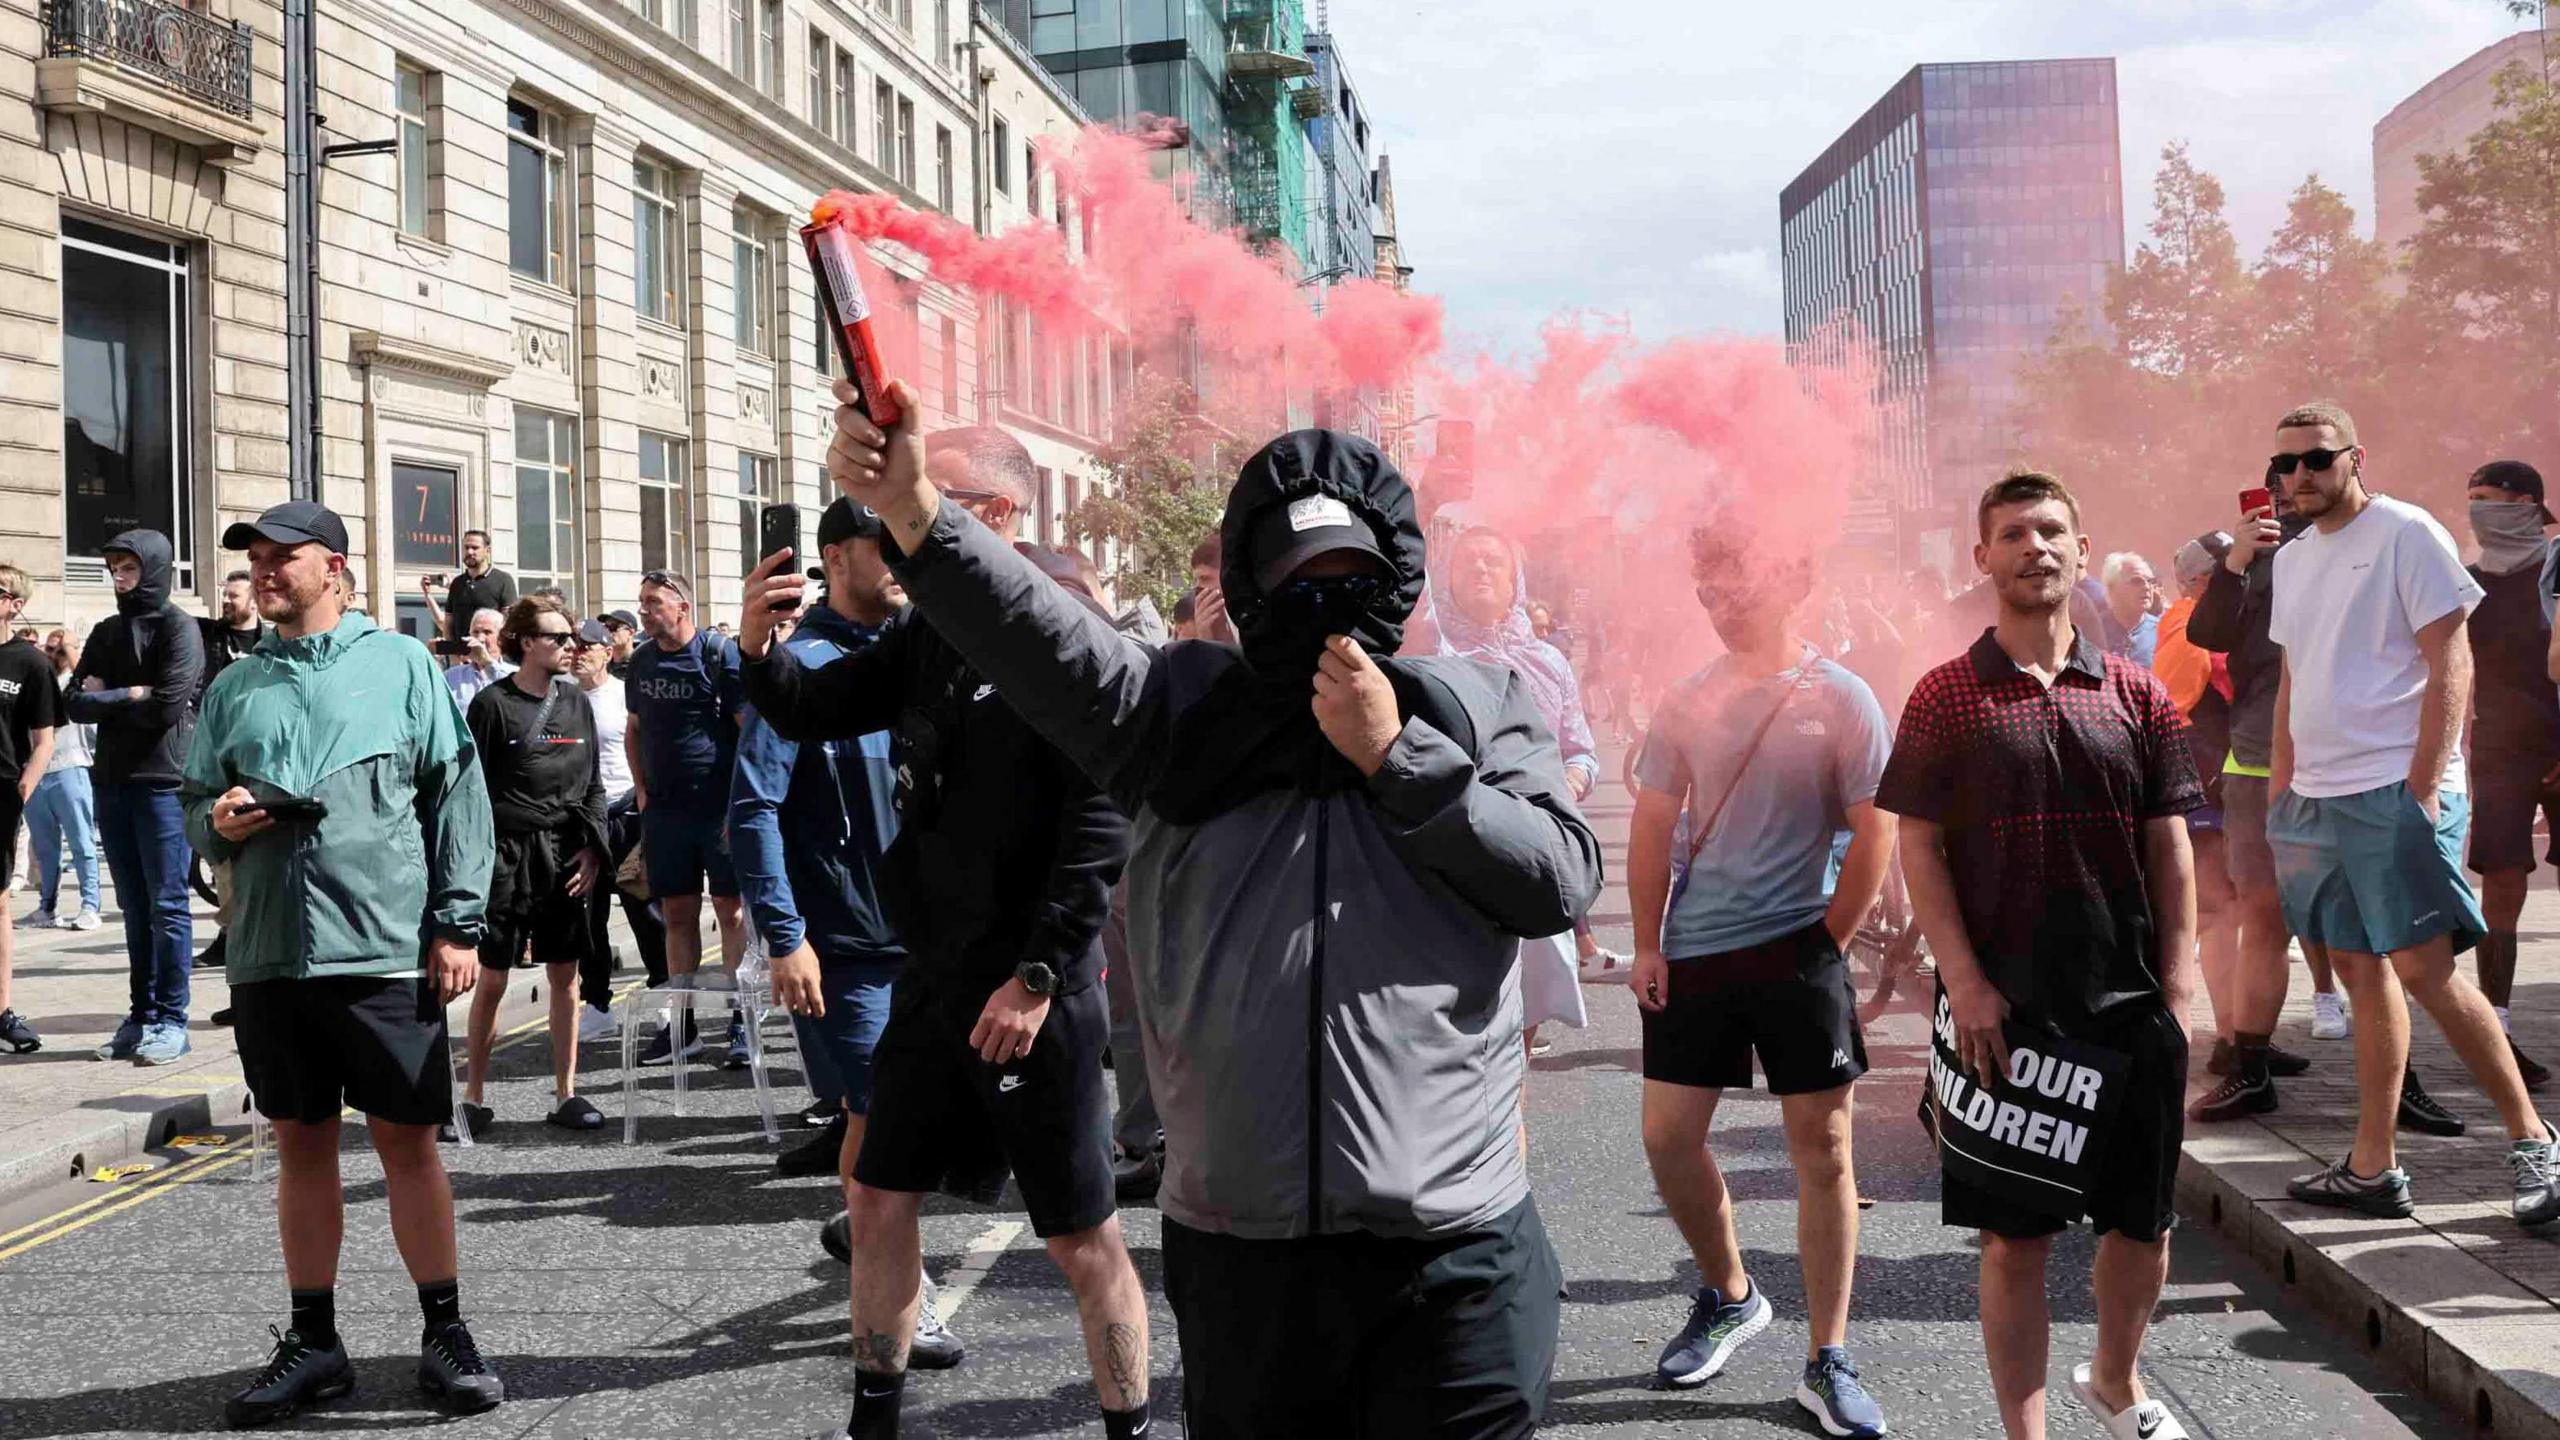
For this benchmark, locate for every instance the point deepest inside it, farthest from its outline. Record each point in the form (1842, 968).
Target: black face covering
(1288, 633)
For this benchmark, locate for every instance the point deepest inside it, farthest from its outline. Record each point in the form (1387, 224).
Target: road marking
(962, 1282)
(184, 1171)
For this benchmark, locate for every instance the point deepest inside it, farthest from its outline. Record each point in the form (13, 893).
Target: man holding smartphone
(333, 775)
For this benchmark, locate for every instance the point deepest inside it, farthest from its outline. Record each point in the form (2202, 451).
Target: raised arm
(854, 694)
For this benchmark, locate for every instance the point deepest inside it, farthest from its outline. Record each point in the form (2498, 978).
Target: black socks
(441, 1303)
(1125, 1424)
(315, 1318)
(875, 1405)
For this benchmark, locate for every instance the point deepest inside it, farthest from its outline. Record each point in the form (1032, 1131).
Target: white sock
(2504, 1028)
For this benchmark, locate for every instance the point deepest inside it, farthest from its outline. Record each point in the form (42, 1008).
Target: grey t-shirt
(1769, 866)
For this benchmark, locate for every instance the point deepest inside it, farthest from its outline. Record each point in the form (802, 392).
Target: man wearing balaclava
(2515, 714)
(1337, 855)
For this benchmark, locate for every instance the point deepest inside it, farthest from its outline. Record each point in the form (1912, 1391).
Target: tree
(2319, 296)
(2179, 308)
(1161, 493)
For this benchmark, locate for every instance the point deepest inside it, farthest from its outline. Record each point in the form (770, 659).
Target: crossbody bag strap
(1699, 832)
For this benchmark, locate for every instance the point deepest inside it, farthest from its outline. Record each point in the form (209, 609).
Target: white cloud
(1627, 158)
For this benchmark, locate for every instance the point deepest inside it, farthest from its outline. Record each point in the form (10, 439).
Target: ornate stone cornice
(479, 372)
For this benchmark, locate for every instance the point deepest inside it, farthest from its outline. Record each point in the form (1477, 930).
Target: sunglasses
(2315, 461)
(670, 579)
(973, 497)
(556, 637)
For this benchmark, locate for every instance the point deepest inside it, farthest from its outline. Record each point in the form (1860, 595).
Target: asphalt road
(676, 1288)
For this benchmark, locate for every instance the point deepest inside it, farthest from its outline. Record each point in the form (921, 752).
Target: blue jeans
(63, 809)
(147, 854)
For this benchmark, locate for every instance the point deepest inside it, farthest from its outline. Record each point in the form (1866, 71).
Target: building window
(662, 477)
(822, 73)
(547, 501)
(537, 195)
(1046, 506)
(1031, 178)
(950, 368)
(822, 346)
(410, 104)
(942, 32)
(907, 16)
(742, 54)
(755, 490)
(752, 286)
(906, 142)
(769, 37)
(127, 363)
(1002, 147)
(943, 183)
(884, 127)
(657, 266)
(672, 15)
(848, 133)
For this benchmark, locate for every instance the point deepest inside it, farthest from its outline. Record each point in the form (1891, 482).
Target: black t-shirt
(2514, 708)
(468, 594)
(30, 699)
(2043, 794)
(222, 645)
(536, 781)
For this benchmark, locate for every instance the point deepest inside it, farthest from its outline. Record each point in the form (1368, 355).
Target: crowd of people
(1286, 870)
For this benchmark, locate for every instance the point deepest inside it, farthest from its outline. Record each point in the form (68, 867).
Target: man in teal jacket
(331, 771)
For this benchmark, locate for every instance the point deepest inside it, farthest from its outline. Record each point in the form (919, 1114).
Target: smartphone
(779, 529)
(290, 810)
(831, 260)
(2255, 500)
(454, 648)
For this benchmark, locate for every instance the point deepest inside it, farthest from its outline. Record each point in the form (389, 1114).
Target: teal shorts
(2366, 873)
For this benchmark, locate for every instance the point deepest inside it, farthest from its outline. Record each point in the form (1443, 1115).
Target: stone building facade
(569, 308)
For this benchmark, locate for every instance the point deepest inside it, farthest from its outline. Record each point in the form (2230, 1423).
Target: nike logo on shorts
(1008, 1084)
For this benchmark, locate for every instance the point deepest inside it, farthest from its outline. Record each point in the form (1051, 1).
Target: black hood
(1351, 470)
(153, 550)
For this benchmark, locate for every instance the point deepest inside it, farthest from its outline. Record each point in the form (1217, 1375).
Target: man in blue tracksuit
(808, 827)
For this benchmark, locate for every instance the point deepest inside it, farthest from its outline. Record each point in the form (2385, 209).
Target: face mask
(1301, 615)
(2510, 534)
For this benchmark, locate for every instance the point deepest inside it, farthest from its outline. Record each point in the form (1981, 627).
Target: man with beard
(479, 585)
(2370, 606)
(997, 885)
(539, 757)
(234, 632)
(137, 681)
(336, 778)
(1349, 1239)
(1775, 752)
(2042, 785)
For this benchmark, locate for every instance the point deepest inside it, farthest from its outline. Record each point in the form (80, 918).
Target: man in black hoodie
(998, 883)
(137, 681)
(1340, 853)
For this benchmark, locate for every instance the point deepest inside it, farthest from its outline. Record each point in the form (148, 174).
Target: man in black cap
(2515, 715)
(622, 631)
(1344, 853)
(997, 884)
(325, 751)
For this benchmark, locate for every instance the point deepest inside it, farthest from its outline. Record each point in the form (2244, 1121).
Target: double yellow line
(186, 1172)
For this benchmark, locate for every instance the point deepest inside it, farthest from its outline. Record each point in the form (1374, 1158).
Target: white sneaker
(2149, 1420)
(2328, 1015)
(596, 1025)
(85, 920)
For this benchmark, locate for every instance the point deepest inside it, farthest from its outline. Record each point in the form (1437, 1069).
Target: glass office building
(1125, 58)
(1953, 225)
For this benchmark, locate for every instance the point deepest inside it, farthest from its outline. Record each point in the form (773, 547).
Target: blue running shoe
(127, 1036)
(162, 1045)
(1840, 1405)
(1717, 1327)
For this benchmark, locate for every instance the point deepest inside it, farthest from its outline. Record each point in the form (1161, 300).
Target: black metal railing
(187, 50)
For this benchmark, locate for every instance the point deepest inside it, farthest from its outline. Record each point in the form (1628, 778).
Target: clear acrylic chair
(750, 987)
(262, 1161)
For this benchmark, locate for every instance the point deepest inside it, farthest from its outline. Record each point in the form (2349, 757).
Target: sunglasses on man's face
(556, 637)
(2316, 461)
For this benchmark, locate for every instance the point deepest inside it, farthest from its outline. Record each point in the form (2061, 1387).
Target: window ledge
(658, 327)
(531, 285)
(76, 83)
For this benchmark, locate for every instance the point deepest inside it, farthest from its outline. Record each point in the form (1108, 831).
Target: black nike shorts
(312, 1047)
(944, 1120)
(1790, 1000)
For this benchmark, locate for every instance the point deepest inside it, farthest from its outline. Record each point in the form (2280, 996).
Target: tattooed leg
(1113, 1310)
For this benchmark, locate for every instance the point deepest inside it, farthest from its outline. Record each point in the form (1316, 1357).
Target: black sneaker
(214, 955)
(738, 1056)
(2535, 1075)
(1136, 1176)
(478, 1117)
(17, 1035)
(2233, 1099)
(820, 1154)
(2384, 1196)
(661, 1046)
(451, 1370)
(836, 1238)
(820, 1112)
(298, 1375)
(2420, 1112)
(222, 1017)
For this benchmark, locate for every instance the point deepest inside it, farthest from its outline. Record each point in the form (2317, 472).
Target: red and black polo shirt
(2042, 793)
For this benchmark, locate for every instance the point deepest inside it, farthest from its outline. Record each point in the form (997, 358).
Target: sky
(1625, 159)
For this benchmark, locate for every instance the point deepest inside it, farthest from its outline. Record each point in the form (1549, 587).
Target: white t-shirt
(613, 716)
(2348, 609)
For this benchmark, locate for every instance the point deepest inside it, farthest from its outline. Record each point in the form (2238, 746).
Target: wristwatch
(1037, 978)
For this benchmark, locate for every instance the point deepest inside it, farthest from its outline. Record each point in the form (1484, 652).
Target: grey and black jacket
(1326, 974)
